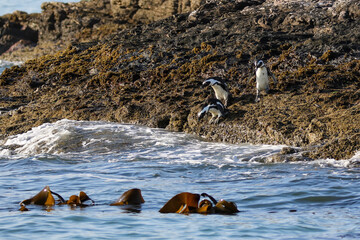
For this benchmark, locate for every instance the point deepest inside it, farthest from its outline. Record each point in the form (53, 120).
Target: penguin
(215, 107)
(262, 78)
(220, 88)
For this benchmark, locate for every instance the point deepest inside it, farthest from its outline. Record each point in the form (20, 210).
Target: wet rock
(287, 154)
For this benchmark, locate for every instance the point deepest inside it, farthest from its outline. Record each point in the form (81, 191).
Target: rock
(14, 29)
(151, 10)
(151, 74)
(64, 23)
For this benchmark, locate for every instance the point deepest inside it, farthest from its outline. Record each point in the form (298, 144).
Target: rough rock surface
(62, 23)
(151, 74)
(147, 11)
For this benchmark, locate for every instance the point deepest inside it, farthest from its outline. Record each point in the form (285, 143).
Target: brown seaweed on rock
(151, 74)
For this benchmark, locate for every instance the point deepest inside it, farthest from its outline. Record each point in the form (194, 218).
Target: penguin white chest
(215, 112)
(220, 93)
(262, 79)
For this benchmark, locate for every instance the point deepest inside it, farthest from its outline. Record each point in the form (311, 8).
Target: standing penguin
(215, 107)
(262, 78)
(220, 88)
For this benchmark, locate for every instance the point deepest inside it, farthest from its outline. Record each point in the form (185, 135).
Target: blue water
(309, 200)
(6, 64)
(29, 6)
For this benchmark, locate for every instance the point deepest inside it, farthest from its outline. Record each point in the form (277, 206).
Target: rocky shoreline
(150, 72)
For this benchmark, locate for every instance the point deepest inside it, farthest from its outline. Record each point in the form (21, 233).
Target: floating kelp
(222, 206)
(186, 202)
(44, 197)
(130, 197)
(79, 200)
(23, 208)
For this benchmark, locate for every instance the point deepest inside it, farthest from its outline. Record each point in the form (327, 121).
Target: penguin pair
(216, 107)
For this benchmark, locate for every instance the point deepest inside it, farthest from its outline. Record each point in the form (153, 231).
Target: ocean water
(308, 200)
(6, 64)
(29, 6)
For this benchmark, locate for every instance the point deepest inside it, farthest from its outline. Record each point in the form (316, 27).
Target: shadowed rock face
(15, 31)
(152, 74)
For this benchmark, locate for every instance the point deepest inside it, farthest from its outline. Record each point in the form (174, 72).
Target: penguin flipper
(271, 74)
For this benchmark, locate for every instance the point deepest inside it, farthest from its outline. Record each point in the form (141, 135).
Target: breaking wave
(123, 142)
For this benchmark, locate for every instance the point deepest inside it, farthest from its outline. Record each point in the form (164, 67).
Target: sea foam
(124, 142)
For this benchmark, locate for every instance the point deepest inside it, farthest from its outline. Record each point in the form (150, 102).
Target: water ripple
(277, 201)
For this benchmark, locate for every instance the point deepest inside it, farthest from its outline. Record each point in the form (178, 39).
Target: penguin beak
(205, 84)
(260, 64)
(201, 115)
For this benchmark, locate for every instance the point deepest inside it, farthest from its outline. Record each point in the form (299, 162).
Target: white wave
(5, 64)
(121, 142)
(115, 142)
(342, 163)
(219, 154)
(356, 157)
(332, 163)
(66, 136)
(38, 140)
(62, 137)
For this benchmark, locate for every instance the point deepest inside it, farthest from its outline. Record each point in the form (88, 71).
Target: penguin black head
(220, 88)
(205, 83)
(215, 107)
(217, 102)
(202, 113)
(259, 63)
(214, 81)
